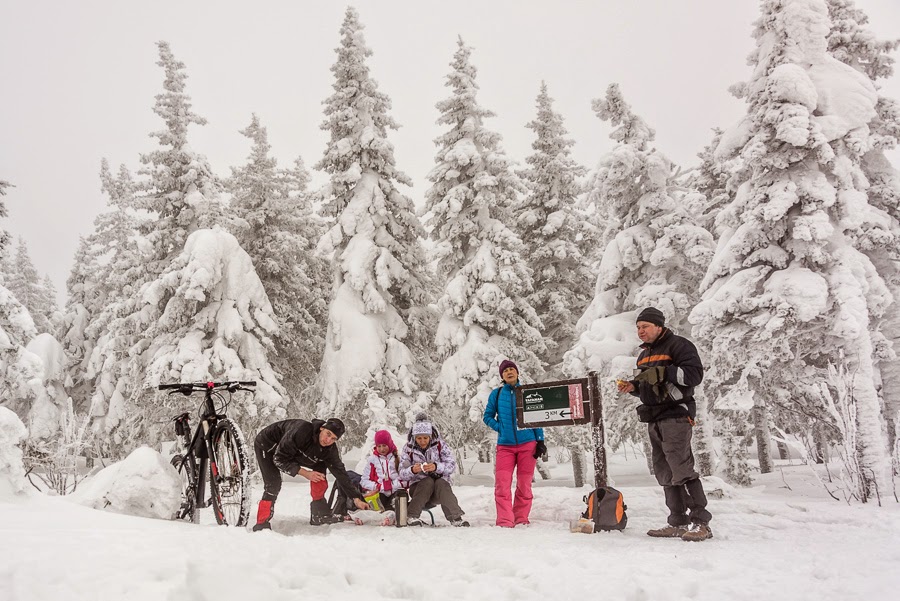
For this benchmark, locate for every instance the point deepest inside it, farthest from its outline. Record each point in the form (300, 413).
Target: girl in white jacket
(382, 471)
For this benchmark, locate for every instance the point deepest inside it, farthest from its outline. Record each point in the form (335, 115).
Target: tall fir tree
(656, 254)
(28, 287)
(486, 315)
(851, 42)
(369, 375)
(787, 287)
(279, 230)
(181, 191)
(103, 275)
(552, 233)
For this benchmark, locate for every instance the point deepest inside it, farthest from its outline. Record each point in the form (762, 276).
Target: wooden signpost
(566, 403)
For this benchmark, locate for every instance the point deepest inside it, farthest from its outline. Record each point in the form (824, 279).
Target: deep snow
(769, 543)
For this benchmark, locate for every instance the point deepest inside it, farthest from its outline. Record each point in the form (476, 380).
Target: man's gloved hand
(539, 449)
(652, 375)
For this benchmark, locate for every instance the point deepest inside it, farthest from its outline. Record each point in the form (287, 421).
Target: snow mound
(143, 484)
(12, 471)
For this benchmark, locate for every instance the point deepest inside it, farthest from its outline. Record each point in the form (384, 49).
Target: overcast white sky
(78, 80)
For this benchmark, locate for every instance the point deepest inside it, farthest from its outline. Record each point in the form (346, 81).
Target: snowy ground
(769, 543)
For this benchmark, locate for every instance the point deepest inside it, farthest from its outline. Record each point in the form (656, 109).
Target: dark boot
(320, 514)
(668, 532)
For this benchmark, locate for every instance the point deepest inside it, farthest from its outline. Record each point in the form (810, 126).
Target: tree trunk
(821, 440)
(763, 437)
(578, 465)
(783, 452)
(873, 460)
(543, 469)
(706, 460)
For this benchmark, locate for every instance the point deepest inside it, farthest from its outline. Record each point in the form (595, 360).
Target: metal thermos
(400, 505)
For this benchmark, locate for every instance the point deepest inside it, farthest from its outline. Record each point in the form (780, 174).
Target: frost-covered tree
(215, 324)
(787, 286)
(368, 375)
(4, 235)
(179, 195)
(656, 253)
(182, 192)
(279, 230)
(485, 311)
(102, 276)
(23, 281)
(551, 230)
(852, 43)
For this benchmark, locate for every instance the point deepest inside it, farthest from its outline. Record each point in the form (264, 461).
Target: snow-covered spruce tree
(4, 235)
(368, 375)
(216, 323)
(554, 242)
(182, 192)
(23, 281)
(787, 288)
(101, 277)
(179, 196)
(551, 232)
(655, 256)
(852, 43)
(279, 230)
(485, 311)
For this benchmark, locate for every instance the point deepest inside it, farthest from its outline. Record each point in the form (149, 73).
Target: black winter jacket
(294, 443)
(683, 372)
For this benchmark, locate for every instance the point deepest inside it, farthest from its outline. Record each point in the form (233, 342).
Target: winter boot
(264, 513)
(459, 523)
(668, 532)
(698, 532)
(411, 521)
(320, 514)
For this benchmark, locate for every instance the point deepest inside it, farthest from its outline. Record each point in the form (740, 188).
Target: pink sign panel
(575, 401)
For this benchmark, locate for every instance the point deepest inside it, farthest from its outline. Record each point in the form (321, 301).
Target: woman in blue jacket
(516, 450)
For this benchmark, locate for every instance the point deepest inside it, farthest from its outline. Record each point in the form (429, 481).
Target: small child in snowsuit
(382, 472)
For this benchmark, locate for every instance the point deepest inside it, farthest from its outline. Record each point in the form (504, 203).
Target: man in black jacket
(670, 368)
(298, 447)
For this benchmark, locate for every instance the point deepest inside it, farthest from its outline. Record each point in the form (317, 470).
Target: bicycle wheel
(230, 478)
(187, 511)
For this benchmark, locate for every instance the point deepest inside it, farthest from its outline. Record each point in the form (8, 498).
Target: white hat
(421, 427)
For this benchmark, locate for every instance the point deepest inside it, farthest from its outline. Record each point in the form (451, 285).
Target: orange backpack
(606, 508)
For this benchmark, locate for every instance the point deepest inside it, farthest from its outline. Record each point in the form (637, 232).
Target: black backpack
(343, 504)
(606, 508)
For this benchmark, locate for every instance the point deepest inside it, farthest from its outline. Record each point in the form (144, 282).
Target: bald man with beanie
(669, 369)
(302, 448)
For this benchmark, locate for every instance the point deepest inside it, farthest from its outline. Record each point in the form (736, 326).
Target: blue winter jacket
(500, 416)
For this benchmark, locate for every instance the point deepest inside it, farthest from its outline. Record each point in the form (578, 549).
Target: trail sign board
(563, 403)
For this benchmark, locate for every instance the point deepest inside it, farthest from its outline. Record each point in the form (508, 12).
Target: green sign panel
(563, 403)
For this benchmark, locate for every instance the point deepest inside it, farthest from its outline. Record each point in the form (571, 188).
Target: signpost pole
(597, 433)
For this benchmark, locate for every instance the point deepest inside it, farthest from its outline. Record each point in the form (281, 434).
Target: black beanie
(652, 315)
(335, 425)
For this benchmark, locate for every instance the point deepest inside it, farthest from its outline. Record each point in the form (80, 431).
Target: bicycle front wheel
(229, 475)
(188, 510)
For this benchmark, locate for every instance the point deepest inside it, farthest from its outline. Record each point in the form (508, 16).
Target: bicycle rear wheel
(188, 510)
(230, 476)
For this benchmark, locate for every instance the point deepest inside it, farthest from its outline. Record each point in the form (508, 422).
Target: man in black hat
(670, 368)
(304, 448)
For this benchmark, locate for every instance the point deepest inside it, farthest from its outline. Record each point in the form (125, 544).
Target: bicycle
(216, 452)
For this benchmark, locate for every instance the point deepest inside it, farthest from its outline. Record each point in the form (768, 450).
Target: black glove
(539, 449)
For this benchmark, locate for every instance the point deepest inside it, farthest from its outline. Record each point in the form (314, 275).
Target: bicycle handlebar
(189, 387)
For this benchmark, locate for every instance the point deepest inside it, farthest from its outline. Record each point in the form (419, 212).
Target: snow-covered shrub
(143, 484)
(12, 470)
